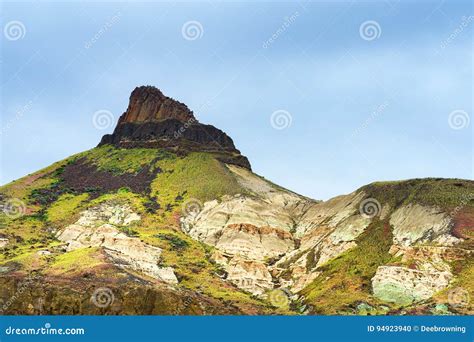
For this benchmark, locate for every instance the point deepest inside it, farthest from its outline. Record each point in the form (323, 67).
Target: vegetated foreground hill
(166, 217)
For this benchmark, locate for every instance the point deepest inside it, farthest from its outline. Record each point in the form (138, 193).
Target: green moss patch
(76, 261)
(197, 175)
(65, 207)
(121, 160)
(445, 193)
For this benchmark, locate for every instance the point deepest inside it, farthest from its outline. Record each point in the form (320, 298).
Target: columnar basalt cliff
(153, 120)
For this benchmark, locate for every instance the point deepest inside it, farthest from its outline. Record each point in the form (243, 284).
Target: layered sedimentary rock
(403, 285)
(100, 227)
(268, 237)
(415, 223)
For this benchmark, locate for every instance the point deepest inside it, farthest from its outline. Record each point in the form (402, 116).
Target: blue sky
(363, 108)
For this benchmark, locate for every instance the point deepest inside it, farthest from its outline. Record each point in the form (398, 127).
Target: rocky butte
(153, 120)
(165, 216)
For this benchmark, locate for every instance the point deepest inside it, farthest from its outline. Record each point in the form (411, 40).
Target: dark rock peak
(148, 104)
(153, 120)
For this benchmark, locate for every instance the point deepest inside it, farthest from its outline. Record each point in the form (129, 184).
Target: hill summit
(148, 104)
(153, 120)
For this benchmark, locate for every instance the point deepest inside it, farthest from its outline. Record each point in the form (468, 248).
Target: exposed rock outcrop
(249, 275)
(271, 238)
(148, 104)
(272, 228)
(99, 227)
(153, 120)
(415, 223)
(402, 285)
(429, 272)
(256, 243)
(3, 242)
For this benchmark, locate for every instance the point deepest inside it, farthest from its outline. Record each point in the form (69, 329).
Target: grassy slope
(444, 193)
(345, 281)
(197, 176)
(119, 161)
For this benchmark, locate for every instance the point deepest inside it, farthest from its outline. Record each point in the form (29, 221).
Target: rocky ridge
(275, 239)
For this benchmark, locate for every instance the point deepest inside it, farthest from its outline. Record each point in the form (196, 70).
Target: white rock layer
(98, 227)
